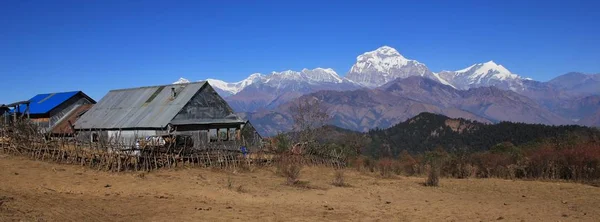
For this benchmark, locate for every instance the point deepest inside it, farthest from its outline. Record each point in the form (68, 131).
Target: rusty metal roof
(64, 126)
(138, 108)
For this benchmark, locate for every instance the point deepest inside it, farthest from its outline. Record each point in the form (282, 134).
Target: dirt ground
(40, 191)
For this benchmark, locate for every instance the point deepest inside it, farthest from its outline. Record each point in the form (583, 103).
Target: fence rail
(23, 139)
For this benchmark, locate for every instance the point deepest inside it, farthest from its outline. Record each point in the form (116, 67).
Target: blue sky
(95, 46)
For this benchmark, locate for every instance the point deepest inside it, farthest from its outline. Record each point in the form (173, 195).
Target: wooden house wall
(206, 104)
(250, 135)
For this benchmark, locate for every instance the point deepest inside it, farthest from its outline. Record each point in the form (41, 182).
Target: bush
(289, 168)
(435, 160)
(408, 164)
(338, 179)
(385, 166)
(433, 177)
(282, 143)
(359, 163)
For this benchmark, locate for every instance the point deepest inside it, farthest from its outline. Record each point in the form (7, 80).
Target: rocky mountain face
(578, 109)
(577, 83)
(401, 99)
(490, 103)
(591, 120)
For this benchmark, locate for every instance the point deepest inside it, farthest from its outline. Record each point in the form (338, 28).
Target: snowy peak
(375, 68)
(382, 60)
(490, 70)
(322, 75)
(486, 69)
(483, 74)
(236, 87)
(316, 75)
(385, 51)
(182, 81)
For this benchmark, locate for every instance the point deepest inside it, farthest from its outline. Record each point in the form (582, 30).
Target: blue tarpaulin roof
(43, 103)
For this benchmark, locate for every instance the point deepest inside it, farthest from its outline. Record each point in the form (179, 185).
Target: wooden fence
(24, 139)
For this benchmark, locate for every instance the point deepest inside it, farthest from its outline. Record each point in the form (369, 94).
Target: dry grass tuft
(290, 169)
(229, 183)
(339, 180)
(241, 189)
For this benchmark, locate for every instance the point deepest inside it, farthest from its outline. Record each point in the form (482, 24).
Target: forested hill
(427, 131)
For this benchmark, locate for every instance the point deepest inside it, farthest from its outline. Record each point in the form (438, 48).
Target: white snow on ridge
(443, 81)
(276, 79)
(182, 81)
(382, 59)
(481, 70)
(483, 74)
(378, 67)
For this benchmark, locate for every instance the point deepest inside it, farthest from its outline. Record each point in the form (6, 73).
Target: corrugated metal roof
(43, 103)
(64, 127)
(145, 107)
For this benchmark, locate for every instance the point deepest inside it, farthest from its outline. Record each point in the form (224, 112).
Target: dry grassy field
(40, 191)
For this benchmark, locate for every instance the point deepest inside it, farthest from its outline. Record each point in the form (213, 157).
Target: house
(47, 110)
(192, 109)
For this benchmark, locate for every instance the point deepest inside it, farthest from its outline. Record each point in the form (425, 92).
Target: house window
(94, 137)
(212, 134)
(223, 134)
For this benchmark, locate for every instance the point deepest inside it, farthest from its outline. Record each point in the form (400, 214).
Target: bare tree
(309, 116)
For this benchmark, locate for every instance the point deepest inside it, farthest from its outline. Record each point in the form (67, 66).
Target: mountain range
(383, 88)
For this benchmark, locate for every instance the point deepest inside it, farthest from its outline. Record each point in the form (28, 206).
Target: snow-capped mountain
(484, 74)
(260, 93)
(280, 87)
(314, 76)
(235, 87)
(264, 91)
(182, 81)
(277, 79)
(378, 67)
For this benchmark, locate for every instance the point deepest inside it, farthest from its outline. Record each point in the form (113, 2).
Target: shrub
(435, 160)
(359, 163)
(338, 179)
(408, 164)
(433, 177)
(385, 166)
(289, 168)
(282, 143)
(368, 163)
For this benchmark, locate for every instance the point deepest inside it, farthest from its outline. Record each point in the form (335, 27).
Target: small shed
(193, 109)
(49, 109)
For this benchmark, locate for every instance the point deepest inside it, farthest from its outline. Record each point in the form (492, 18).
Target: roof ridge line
(144, 87)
